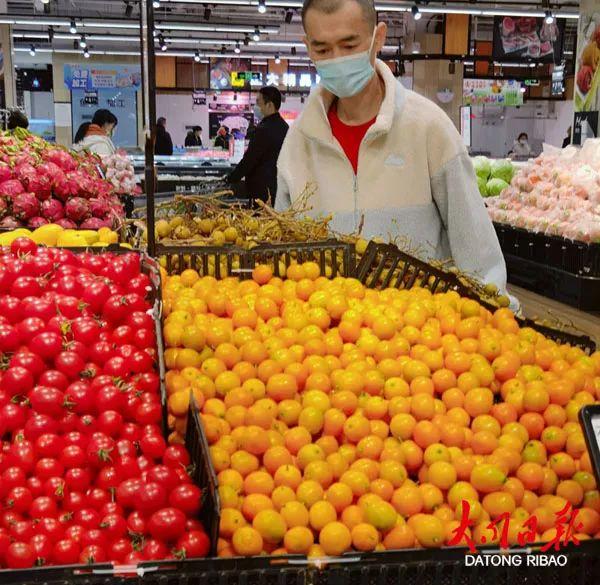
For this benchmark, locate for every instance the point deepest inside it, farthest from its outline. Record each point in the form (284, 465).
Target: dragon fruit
(66, 223)
(41, 185)
(52, 210)
(36, 222)
(11, 188)
(61, 158)
(5, 173)
(25, 206)
(77, 209)
(95, 223)
(99, 207)
(10, 222)
(3, 207)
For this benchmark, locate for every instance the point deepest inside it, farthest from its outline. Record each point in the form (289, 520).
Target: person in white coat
(95, 136)
(379, 156)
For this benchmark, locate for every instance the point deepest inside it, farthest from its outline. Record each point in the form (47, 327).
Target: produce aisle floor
(537, 306)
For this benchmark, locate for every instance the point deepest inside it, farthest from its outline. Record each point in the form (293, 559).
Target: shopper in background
(521, 147)
(259, 164)
(17, 119)
(194, 137)
(222, 139)
(413, 178)
(567, 140)
(95, 136)
(163, 145)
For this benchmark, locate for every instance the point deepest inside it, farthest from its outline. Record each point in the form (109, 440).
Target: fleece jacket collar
(314, 123)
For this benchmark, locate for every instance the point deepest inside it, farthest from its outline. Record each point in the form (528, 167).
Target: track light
(197, 56)
(222, 49)
(549, 17)
(277, 60)
(237, 49)
(128, 9)
(452, 68)
(256, 35)
(301, 99)
(163, 48)
(50, 34)
(246, 40)
(416, 12)
(82, 42)
(73, 27)
(401, 69)
(32, 50)
(293, 50)
(288, 16)
(207, 12)
(156, 4)
(262, 7)
(235, 97)
(45, 1)
(86, 54)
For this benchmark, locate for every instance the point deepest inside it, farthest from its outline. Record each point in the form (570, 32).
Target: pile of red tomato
(86, 475)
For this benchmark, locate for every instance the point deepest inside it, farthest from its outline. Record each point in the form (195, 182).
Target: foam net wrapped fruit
(341, 417)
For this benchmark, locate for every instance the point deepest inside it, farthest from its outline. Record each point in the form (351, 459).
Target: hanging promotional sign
(492, 92)
(98, 76)
(587, 75)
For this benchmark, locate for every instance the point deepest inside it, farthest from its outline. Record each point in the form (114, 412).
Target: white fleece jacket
(414, 179)
(100, 145)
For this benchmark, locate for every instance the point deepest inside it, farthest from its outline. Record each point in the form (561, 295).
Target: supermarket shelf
(536, 306)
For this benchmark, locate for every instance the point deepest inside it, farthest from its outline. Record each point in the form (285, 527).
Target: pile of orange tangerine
(342, 418)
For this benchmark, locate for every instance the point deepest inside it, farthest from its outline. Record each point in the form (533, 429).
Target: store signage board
(90, 98)
(558, 78)
(293, 80)
(532, 82)
(199, 98)
(97, 76)
(589, 417)
(498, 92)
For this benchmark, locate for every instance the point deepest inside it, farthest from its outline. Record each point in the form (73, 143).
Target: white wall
(494, 129)
(180, 111)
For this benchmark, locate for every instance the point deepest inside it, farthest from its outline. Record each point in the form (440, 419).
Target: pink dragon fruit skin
(11, 188)
(94, 223)
(25, 206)
(3, 207)
(99, 207)
(41, 185)
(10, 222)
(52, 210)
(5, 173)
(66, 223)
(77, 209)
(61, 158)
(36, 222)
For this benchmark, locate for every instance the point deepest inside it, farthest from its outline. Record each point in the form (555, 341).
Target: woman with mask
(521, 147)
(95, 136)
(380, 156)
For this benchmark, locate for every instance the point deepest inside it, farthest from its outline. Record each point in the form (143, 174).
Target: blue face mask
(257, 113)
(346, 76)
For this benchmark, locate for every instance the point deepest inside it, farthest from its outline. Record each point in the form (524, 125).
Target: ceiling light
(73, 27)
(163, 48)
(237, 49)
(416, 12)
(277, 60)
(207, 12)
(156, 4)
(549, 18)
(246, 40)
(262, 7)
(197, 56)
(32, 51)
(50, 34)
(82, 42)
(128, 9)
(256, 35)
(289, 15)
(45, 1)
(86, 54)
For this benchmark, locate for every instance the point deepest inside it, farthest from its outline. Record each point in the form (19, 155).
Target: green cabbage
(483, 167)
(502, 169)
(495, 187)
(482, 184)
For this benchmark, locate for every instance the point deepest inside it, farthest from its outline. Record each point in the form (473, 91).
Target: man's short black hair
(271, 95)
(330, 6)
(161, 121)
(196, 129)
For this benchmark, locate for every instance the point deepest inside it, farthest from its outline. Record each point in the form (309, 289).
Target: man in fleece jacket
(378, 151)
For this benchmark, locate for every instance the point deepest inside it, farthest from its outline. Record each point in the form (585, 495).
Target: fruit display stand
(200, 469)
(381, 266)
(561, 269)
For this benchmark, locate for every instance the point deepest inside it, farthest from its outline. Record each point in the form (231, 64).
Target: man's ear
(380, 36)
